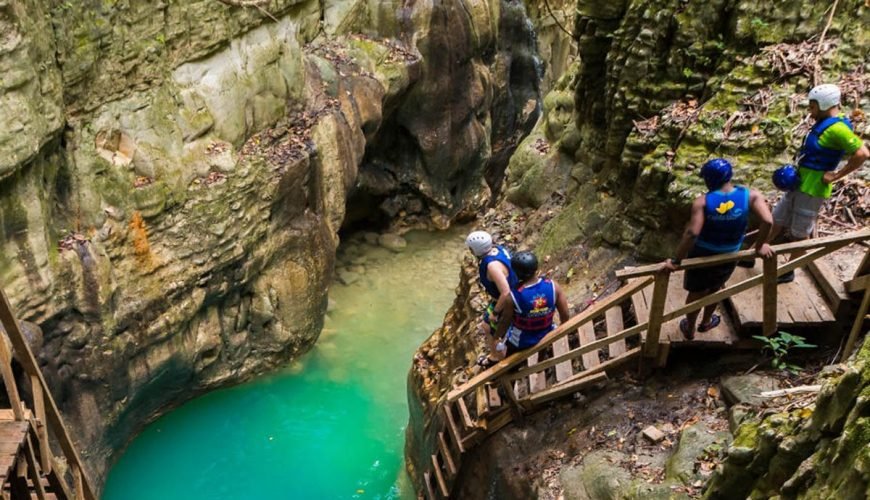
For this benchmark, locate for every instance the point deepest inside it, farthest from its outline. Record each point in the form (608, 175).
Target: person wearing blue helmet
(828, 143)
(717, 225)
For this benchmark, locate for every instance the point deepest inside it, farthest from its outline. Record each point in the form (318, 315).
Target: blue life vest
(726, 216)
(497, 254)
(534, 307)
(817, 157)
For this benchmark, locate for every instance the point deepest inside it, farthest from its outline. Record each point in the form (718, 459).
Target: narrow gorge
(179, 181)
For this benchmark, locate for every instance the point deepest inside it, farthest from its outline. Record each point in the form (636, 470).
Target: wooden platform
(724, 334)
(801, 303)
(12, 437)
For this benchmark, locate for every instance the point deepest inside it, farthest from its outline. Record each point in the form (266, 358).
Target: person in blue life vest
(828, 143)
(717, 225)
(497, 278)
(530, 307)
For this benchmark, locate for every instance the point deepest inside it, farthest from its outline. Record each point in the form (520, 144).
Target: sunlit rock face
(173, 175)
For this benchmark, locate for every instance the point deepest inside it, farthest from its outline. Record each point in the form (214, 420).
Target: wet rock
(695, 442)
(347, 277)
(392, 242)
(746, 389)
(371, 238)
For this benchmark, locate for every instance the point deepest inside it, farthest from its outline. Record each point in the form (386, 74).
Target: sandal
(714, 322)
(486, 362)
(684, 329)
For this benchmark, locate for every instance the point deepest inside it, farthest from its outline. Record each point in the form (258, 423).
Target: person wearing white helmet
(828, 143)
(497, 278)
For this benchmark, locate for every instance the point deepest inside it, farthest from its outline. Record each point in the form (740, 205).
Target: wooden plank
(427, 483)
(494, 398)
(856, 326)
(864, 266)
(587, 336)
(769, 286)
(567, 388)
(576, 353)
(538, 381)
(464, 415)
(453, 428)
(501, 419)
(656, 312)
(439, 477)
(563, 370)
(55, 420)
(858, 284)
(831, 285)
(33, 469)
(448, 456)
(481, 401)
(613, 320)
(39, 424)
(830, 242)
(564, 329)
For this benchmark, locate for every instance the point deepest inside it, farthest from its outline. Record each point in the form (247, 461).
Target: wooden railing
(45, 419)
(641, 277)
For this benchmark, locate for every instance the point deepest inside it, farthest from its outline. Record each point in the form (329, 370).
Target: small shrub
(779, 346)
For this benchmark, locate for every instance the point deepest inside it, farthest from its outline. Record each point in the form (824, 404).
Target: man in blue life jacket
(530, 307)
(717, 225)
(497, 278)
(829, 142)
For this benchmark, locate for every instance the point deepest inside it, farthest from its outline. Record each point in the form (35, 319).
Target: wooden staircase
(639, 321)
(28, 430)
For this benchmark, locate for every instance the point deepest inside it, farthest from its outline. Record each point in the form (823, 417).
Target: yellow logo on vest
(725, 206)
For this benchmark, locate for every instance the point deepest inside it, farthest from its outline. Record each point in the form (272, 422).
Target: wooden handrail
(648, 270)
(55, 420)
(564, 329)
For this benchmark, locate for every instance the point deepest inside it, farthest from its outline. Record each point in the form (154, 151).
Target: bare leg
(708, 312)
(491, 341)
(692, 317)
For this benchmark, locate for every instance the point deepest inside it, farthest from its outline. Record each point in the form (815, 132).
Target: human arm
(855, 162)
(561, 304)
(497, 273)
(693, 229)
(504, 308)
(759, 206)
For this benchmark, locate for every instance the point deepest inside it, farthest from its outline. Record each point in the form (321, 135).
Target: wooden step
(563, 370)
(481, 400)
(453, 428)
(587, 336)
(467, 421)
(613, 319)
(723, 335)
(566, 388)
(799, 304)
(427, 483)
(494, 398)
(439, 476)
(448, 456)
(830, 285)
(537, 381)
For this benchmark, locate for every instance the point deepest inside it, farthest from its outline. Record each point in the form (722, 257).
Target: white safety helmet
(480, 242)
(827, 95)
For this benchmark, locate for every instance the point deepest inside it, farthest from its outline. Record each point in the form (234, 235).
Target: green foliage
(779, 346)
(758, 23)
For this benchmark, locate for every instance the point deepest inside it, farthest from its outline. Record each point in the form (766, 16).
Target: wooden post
(9, 380)
(78, 482)
(656, 311)
(41, 429)
(769, 288)
(856, 327)
(33, 469)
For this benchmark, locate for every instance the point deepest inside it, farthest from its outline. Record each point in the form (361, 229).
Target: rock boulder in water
(392, 242)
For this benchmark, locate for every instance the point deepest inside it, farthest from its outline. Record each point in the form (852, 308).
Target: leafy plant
(779, 346)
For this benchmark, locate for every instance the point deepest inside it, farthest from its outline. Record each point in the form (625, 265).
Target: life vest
(534, 307)
(726, 216)
(497, 254)
(817, 157)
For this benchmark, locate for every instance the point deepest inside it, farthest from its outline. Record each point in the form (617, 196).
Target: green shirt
(838, 136)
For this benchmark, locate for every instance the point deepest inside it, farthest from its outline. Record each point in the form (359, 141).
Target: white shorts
(797, 213)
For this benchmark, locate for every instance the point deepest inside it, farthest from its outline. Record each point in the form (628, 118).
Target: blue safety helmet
(716, 173)
(786, 178)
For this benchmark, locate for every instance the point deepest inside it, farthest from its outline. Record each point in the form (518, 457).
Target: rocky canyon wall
(173, 175)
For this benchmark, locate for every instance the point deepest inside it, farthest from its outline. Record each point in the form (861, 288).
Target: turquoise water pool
(331, 425)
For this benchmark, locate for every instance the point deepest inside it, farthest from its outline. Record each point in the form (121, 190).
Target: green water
(329, 426)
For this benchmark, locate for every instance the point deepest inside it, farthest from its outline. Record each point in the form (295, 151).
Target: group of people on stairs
(523, 304)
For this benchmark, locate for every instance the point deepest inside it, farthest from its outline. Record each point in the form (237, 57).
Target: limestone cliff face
(173, 175)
